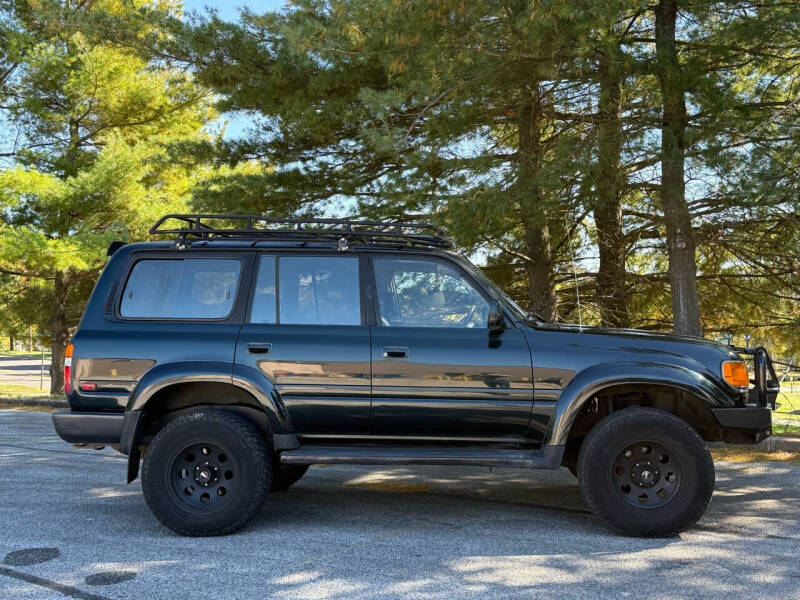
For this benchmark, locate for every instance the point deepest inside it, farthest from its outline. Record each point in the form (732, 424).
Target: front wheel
(206, 473)
(646, 472)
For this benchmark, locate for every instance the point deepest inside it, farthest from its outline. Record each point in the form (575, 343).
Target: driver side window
(426, 293)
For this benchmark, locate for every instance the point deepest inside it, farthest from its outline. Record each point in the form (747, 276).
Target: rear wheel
(646, 472)
(284, 476)
(206, 473)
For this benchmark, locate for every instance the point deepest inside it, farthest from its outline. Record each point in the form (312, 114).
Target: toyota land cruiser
(232, 357)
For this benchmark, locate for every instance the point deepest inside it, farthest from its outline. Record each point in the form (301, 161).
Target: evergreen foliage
(89, 126)
(654, 139)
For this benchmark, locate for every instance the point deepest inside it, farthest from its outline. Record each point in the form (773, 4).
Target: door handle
(258, 348)
(395, 352)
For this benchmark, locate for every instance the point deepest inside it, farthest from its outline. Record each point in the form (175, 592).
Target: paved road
(72, 528)
(24, 371)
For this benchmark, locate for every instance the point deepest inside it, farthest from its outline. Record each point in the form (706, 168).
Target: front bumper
(88, 427)
(744, 423)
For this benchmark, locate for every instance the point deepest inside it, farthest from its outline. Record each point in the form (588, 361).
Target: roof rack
(258, 228)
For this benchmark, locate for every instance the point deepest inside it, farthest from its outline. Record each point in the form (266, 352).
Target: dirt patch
(738, 455)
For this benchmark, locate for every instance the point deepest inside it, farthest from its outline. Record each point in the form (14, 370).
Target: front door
(437, 371)
(305, 333)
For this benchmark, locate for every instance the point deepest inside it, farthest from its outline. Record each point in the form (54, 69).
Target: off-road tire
(285, 476)
(236, 442)
(605, 470)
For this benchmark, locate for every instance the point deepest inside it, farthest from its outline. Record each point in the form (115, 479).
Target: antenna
(574, 273)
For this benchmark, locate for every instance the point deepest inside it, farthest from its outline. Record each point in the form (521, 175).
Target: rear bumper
(752, 422)
(88, 427)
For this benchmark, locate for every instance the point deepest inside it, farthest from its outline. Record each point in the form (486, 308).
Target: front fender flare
(589, 382)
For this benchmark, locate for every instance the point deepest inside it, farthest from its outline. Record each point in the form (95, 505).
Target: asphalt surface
(70, 527)
(25, 371)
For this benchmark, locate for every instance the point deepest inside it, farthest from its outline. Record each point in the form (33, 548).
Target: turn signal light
(68, 368)
(735, 373)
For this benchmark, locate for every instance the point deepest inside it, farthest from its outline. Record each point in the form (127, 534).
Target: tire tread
(638, 417)
(255, 449)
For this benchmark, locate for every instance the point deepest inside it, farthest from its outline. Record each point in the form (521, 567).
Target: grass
(14, 390)
(786, 430)
(788, 403)
(787, 407)
(25, 354)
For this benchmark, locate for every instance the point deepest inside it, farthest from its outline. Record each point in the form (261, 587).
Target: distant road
(24, 370)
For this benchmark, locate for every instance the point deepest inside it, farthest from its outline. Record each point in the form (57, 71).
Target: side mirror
(496, 321)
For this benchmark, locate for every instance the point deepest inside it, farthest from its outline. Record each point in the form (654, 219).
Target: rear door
(436, 369)
(305, 331)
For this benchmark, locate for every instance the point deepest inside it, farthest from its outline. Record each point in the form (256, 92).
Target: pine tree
(90, 125)
(615, 128)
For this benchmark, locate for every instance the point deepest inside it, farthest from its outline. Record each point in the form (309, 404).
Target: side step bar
(547, 458)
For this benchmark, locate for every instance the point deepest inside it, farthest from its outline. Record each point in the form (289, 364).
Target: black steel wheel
(206, 473)
(204, 476)
(646, 472)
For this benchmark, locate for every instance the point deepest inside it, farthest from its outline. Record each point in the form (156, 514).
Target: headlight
(735, 373)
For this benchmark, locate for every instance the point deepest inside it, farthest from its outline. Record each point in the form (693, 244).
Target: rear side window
(319, 290)
(311, 290)
(191, 288)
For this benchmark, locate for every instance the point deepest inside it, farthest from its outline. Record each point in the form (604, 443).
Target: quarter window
(426, 293)
(202, 288)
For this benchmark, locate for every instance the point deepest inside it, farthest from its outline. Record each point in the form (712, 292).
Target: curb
(777, 443)
(44, 402)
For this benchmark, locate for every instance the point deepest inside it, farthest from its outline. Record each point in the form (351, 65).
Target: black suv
(247, 349)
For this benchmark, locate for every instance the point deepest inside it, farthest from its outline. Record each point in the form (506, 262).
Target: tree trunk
(541, 285)
(609, 182)
(59, 333)
(11, 343)
(680, 236)
(541, 282)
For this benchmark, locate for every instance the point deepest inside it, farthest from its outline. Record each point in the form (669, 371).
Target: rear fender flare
(248, 379)
(165, 375)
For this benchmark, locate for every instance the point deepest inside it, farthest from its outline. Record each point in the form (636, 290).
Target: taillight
(68, 368)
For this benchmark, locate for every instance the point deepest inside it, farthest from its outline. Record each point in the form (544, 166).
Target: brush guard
(766, 386)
